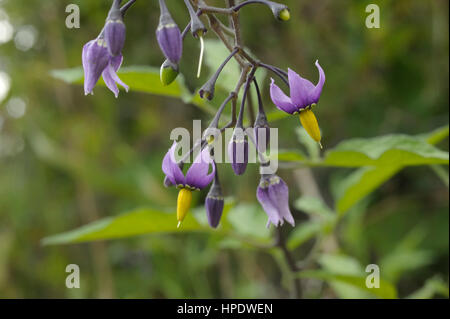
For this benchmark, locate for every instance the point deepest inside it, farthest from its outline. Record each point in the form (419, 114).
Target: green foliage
(386, 290)
(141, 79)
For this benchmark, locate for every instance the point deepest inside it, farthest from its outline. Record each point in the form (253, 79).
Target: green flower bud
(285, 15)
(169, 72)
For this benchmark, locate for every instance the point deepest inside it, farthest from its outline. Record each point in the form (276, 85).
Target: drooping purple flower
(238, 151)
(303, 93)
(273, 195)
(115, 29)
(214, 203)
(169, 35)
(304, 96)
(197, 176)
(97, 62)
(95, 59)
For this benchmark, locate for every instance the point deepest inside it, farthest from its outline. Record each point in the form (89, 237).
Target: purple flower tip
(214, 208)
(273, 195)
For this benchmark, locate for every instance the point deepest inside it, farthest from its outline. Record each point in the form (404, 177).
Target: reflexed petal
(110, 76)
(315, 94)
(197, 176)
(171, 168)
(301, 90)
(281, 101)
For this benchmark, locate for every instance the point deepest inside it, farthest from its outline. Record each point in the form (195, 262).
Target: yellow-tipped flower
(304, 95)
(196, 178)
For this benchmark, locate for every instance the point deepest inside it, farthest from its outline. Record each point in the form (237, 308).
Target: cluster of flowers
(102, 56)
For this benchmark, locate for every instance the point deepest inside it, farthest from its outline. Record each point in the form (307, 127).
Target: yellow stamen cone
(183, 204)
(309, 122)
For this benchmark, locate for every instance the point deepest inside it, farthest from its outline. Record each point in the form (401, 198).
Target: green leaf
(365, 180)
(433, 286)
(389, 150)
(249, 220)
(436, 135)
(360, 183)
(315, 207)
(386, 290)
(141, 79)
(288, 156)
(137, 222)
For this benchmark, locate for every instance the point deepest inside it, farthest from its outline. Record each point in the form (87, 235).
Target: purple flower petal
(197, 176)
(95, 58)
(301, 90)
(263, 197)
(171, 168)
(110, 76)
(281, 101)
(315, 94)
(273, 195)
(279, 196)
(115, 36)
(170, 42)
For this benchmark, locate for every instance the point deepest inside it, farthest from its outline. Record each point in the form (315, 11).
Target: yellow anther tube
(183, 204)
(309, 122)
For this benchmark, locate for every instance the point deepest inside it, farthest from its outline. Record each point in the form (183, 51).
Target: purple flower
(304, 96)
(115, 29)
(238, 151)
(97, 62)
(303, 93)
(273, 195)
(169, 35)
(196, 178)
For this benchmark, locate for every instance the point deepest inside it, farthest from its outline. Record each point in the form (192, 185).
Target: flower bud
(238, 151)
(207, 90)
(280, 11)
(169, 36)
(169, 72)
(214, 203)
(115, 29)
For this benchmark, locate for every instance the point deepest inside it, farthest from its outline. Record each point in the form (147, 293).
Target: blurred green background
(67, 160)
